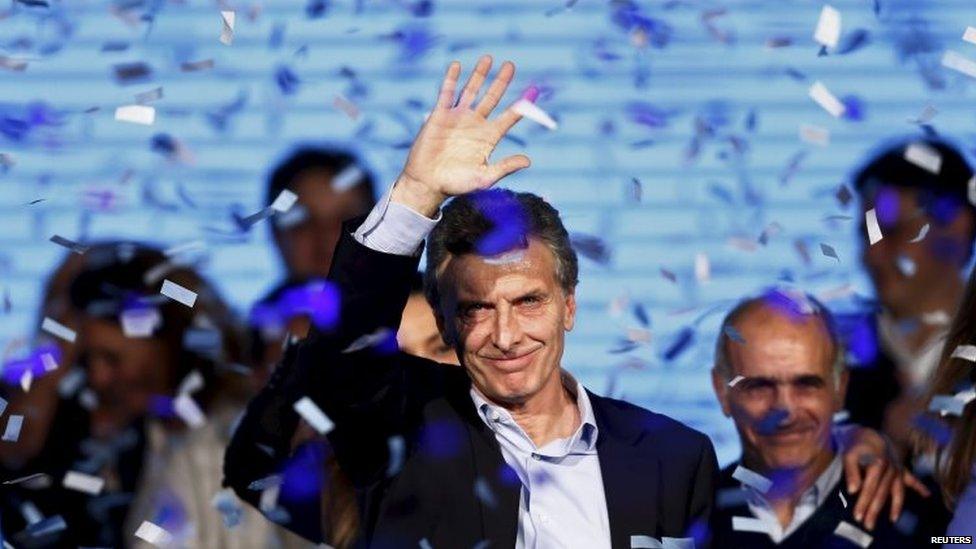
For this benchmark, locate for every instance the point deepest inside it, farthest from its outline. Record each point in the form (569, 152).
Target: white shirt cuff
(395, 229)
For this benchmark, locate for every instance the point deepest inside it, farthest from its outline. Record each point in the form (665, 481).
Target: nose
(785, 403)
(101, 375)
(507, 332)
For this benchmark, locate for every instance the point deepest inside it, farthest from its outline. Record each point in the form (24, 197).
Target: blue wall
(625, 112)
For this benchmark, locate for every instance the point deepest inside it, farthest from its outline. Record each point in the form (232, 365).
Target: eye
(473, 311)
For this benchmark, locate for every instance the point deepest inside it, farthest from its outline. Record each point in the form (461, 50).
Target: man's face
(306, 248)
(889, 262)
(125, 373)
(784, 406)
(507, 320)
(418, 334)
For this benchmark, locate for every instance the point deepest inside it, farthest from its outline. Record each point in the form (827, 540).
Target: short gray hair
(495, 221)
(793, 305)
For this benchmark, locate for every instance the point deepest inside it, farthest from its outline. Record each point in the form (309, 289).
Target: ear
(721, 387)
(569, 319)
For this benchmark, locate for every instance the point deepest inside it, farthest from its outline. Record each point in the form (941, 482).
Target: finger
(871, 480)
(448, 87)
(475, 81)
(497, 89)
(880, 498)
(507, 166)
(915, 484)
(897, 498)
(852, 472)
(506, 120)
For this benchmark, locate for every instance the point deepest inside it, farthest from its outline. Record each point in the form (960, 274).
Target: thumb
(507, 166)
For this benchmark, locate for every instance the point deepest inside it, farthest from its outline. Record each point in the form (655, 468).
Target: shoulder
(629, 419)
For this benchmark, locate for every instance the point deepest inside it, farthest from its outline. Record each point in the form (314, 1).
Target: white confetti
(645, 542)
(924, 157)
(47, 359)
(828, 27)
(26, 379)
(969, 35)
(140, 322)
(843, 500)
(703, 268)
(368, 340)
(971, 190)
(284, 201)
(947, 405)
(736, 380)
(921, 234)
(874, 230)
(532, 111)
(81, 482)
(850, 532)
(59, 330)
(3, 405)
(814, 135)
(823, 97)
(189, 411)
(178, 293)
(192, 383)
(34, 481)
(750, 524)
(960, 63)
(841, 416)
(965, 352)
(227, 27)
(313, 415)
(153, 534)
(12, 432)
(136, 114)
(936, 318)
(185, 248)
(752, 479)
(347, 178)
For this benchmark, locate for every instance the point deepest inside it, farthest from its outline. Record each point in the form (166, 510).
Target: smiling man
(780, 375)
(510, 449)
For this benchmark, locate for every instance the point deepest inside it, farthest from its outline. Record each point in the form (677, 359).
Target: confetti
(921, 234)
(189, 411)
(81, 482)
(284, 201)
(814, 135)
(12, 64)
(75, 247)
(850, 532)
(855, 40)
(829, 251)
(40, 480)
(924, 157)
(57, 329)
(194, 66)
(734, 335)
(136, 114)
(959, 63)
(678, 543)
(702, 267)
(397, 448)
(936, 318)
(153, 534)
(347, 178)
(874, 230)
(952, 404)
(227, 27)
(140, 322)
(750, 524)
(345, 105)
(971, 190)
(178, 293)
(25, 380)
(969, 35)
(752, 479)
(12, 431)
(645, 542)
(827, 32)
(843, 500)
(736, 380)
(841, 416)
(530, 110)
(313, 415)
(905, 265)
(819, 93)
(131, 73)
(3, 405)
(149, 96)
(225, 502)
(192, 383)
(965, 352)
(368, 340)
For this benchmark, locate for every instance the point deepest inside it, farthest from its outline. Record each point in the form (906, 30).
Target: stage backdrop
(690, 160)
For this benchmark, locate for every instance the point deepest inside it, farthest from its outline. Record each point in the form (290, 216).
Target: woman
(954, 435)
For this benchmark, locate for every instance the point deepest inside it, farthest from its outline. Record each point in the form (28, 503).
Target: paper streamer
(81, 482)
(874, 230)
(752, 479)
(314, 415)
(284, 201)
(532, 111)
(827, 32)
(153, 534)
(924, 157)
(59, 330)
(819, 93)
(178, 293)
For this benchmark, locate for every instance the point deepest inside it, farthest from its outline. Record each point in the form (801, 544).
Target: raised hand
(450, 155)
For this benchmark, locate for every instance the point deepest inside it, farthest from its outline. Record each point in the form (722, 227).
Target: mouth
(788, 435)
(513, 363)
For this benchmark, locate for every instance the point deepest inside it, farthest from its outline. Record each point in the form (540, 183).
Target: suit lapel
(630, 479)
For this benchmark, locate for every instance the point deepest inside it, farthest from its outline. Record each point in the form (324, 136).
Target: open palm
(451, 154)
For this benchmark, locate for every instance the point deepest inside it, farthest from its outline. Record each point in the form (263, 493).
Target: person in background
(917, 190)
(418, 334)
(332, 185)
(779, 374)
(950, 429)
(143, 417)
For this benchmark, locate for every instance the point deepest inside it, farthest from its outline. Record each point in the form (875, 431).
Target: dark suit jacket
(658, 474)
(920, 520)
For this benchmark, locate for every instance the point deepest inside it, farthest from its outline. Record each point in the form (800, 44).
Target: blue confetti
(288, 82)
(681, 343)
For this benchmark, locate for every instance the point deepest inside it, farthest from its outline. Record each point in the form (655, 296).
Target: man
(332, 185)
(510, 450)
(927, 224)
(779, 374)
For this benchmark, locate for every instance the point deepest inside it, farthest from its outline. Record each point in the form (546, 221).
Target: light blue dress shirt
(562, 503)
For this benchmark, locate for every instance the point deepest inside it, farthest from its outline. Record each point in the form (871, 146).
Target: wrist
(416, 196)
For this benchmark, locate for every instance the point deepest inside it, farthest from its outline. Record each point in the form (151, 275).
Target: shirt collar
(584, 438)
(817, 493)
